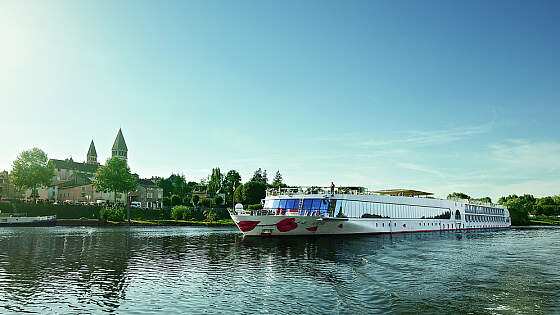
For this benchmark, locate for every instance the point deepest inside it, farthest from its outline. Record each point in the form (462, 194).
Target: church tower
(119, 147)
(91, 154)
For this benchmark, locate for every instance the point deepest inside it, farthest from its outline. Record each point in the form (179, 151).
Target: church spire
(119, 147)
(92, 154)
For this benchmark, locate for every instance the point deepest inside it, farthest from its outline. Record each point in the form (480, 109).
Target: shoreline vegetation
(189, 201)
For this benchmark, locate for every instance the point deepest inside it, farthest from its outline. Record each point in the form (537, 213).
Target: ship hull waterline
(278, 225)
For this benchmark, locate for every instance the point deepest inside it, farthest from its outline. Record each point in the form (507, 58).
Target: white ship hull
(340, 214)
(252, 225)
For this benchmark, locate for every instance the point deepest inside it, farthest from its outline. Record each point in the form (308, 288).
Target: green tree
(195, 200)
(187, 201)
(484, 199)
(115, 176)
(205, 203)
(277, 179)
(546, 206)
(218, 200)
(231, 182)
(258, 176)
(519, 207)
(176, 200)
(458, 195)
(216, 180)
(253, 192)
(238, 195)
(31, 170)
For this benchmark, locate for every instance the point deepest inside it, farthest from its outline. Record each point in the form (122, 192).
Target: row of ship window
(480, 218)
(355, 209)
(360, 209)
(483, 210)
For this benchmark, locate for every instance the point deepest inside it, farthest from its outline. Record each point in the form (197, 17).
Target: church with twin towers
(73, 181)
(119, 150)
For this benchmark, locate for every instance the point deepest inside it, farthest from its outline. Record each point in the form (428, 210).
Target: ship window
(275, 203)
(290, 203)
(324, 204)
(316, 204)
(282, 203)
(307, 203)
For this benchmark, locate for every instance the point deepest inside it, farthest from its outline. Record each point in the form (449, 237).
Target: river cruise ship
(354, 210)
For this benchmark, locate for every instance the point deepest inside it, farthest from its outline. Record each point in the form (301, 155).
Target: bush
(178, 212)
(166, 201)
(210, 216)
(257, 206)
(116, 214)
(205, 203)
(187, 201)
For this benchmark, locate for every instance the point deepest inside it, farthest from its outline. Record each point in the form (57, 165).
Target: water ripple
(203, 270)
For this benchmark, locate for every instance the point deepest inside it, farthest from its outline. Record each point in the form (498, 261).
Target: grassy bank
(544, 220)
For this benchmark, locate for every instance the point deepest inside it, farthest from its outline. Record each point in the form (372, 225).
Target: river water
(195, 270)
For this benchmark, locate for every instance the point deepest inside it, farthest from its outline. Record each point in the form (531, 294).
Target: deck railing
(310, 190)
(478, 203)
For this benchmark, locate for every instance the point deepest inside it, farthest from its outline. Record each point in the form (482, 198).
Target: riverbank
(95, 222)
(545, 221)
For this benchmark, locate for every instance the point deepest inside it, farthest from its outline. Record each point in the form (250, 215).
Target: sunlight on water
(195, 270)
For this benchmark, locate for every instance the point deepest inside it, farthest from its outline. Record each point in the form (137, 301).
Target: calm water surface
(215, 270)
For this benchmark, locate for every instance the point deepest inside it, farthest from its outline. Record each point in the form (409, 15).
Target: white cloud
(431, 136)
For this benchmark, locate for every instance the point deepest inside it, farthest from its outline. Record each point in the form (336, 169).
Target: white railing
(478, 203)
(317, 190)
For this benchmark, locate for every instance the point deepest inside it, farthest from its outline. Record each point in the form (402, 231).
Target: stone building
(79, 188)
(76, 177)
(148, 194)
(7, 189)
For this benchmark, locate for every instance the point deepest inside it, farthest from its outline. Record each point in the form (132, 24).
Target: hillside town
(72, 182)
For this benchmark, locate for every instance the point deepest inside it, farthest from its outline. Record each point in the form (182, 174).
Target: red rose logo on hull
(286, 225)
(246, 226)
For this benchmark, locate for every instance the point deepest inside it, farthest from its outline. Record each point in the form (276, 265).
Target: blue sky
(439, 96)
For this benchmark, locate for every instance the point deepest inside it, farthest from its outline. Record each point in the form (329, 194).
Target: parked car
(136, 204)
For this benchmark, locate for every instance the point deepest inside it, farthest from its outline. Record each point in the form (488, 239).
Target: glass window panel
(324, 204)
(290, 203)
(316, 204)
(282, 203)
(307, 203)
(275, 203)
(268, 203)
(337, 207)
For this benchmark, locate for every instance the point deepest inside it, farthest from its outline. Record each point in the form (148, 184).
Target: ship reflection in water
(202, 270)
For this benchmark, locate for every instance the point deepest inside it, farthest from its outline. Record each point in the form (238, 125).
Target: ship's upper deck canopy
(311, 190)
(403, 192)
(352, 190)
